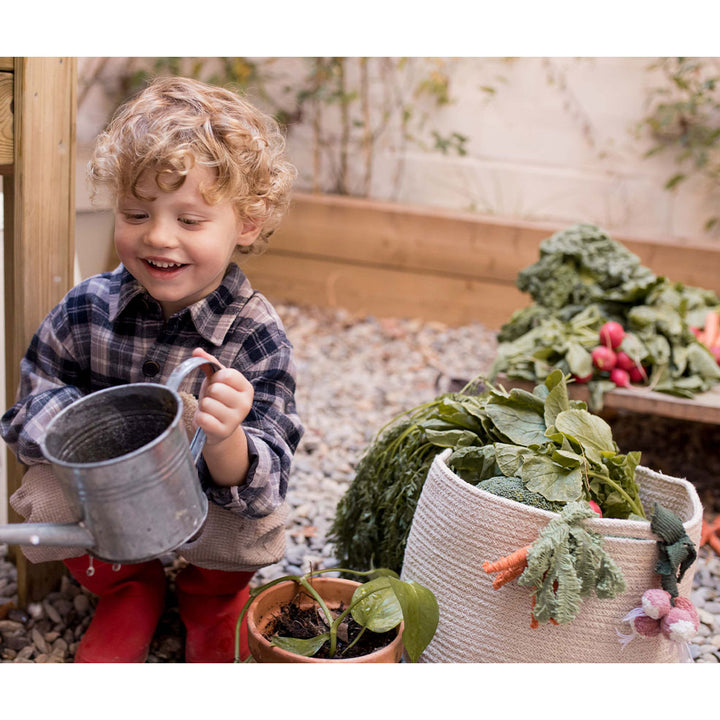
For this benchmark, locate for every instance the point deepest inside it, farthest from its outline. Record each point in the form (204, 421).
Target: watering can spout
(57, 534)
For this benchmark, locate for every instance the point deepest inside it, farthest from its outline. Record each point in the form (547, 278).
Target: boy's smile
(176, 244)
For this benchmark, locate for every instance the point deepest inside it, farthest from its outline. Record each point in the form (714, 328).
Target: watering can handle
(173, 382)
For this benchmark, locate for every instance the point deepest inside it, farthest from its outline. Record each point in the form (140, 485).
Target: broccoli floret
(513, 488)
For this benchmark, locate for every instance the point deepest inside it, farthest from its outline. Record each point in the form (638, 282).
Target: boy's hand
(225, 400)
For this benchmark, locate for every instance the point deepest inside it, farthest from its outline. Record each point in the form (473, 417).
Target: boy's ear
(248, 232)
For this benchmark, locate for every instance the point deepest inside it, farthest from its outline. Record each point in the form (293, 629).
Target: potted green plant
(308, 618)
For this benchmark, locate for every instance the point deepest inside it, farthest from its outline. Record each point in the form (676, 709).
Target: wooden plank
(6, 122)
(39, 234)
(408, 238)
(704, 407)
(382, 292)
(434, 240)
(7, 63)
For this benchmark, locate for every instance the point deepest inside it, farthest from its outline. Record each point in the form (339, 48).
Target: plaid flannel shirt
(109, 331)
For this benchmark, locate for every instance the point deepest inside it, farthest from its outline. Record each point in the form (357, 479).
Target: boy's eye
(134, 216)
(188, 221)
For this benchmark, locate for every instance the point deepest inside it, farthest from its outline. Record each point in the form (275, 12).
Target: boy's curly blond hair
(176, 122)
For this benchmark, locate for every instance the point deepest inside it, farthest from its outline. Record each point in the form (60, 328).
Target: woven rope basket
(456, 527)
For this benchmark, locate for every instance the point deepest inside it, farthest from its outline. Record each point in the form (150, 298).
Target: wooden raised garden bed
(387, 259)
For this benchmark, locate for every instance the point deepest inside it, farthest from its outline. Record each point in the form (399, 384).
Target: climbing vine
(684, 117)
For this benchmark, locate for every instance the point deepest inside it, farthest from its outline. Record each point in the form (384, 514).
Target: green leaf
(554, 482)
(307, 647)
(509, 458)
(579, 360)
(452, 438)
(517, 420)
(375, 606)
(420, 613)
(557, 400)
(588, 430)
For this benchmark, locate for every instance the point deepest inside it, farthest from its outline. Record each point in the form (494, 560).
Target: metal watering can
(122, 458)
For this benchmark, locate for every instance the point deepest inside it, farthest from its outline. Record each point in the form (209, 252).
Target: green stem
(634, 504)
(326, 611)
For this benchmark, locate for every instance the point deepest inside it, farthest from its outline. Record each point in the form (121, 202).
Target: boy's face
(177, 245)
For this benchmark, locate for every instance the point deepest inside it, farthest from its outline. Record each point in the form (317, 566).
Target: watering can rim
(172, 385)
(111, 461)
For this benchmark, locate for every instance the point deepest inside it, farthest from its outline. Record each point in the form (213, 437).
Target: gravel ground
(354, 375)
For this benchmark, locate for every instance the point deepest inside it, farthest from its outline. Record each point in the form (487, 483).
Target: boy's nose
(159, 233)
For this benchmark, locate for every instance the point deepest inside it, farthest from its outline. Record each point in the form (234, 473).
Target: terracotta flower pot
(335, 592)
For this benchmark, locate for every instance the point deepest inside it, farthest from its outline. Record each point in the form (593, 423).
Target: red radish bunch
(606, 357)
(677, 619)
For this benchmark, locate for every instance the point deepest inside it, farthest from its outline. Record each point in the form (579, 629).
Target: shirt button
(150, 368)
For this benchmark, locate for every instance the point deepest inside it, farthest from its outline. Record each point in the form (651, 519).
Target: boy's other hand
(225, 400)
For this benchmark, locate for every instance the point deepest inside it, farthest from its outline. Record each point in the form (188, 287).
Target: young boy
(197, 175)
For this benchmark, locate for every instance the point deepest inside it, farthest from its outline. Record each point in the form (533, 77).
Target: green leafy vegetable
(582, 279)
(558, 449)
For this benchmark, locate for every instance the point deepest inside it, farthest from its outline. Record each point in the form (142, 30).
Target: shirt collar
(212, 316)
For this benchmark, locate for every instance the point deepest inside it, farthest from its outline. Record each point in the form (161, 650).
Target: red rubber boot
(132, 598)
(210, 602)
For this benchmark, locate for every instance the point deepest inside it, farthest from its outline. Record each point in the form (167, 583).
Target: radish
(612, 334)
(620, 377)
(603, 358)
(624, 361)
(583, 379)
(637, 374)
(595, 507)
(656, 603)
(715, 350)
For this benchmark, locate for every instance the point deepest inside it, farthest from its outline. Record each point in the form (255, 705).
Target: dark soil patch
(305, 623)
(675, 447)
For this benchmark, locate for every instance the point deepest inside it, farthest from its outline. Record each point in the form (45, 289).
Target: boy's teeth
(163, 264)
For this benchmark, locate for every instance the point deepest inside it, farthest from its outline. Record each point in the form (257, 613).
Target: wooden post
(39, 197)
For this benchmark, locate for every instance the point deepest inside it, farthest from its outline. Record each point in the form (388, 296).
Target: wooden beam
(39, 234)
(6, 122)
(391, 259)
(383, 292)
(7, 63)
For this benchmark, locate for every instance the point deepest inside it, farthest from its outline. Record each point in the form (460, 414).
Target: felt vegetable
(566, 563)
(640, 625)
(710, 534)
(679, 625)
(612, 334)
(656, 602)
(507, 568)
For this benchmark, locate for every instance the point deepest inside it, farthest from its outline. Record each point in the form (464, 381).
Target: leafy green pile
(556, 447)
(583, 279)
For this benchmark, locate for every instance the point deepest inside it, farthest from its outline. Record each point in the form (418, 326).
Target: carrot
(714, 543)
(505, 576)
(711, 331)
(705, 533)
(515, 559)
